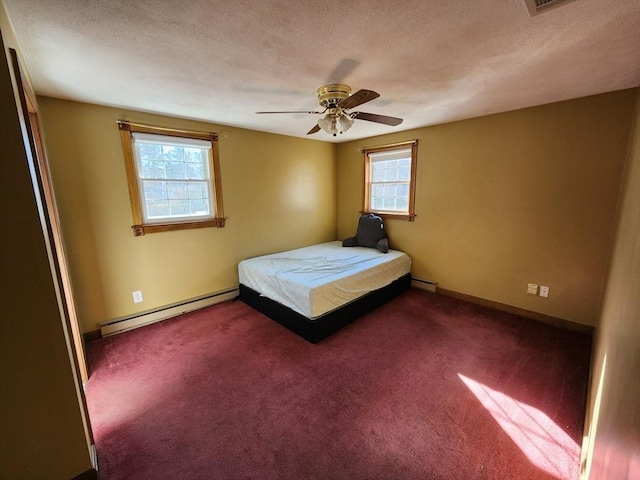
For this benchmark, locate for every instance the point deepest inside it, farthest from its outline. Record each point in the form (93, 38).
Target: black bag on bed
(370, 233)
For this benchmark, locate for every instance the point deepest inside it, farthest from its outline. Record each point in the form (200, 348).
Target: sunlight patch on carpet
(544, 443)
(127, 401)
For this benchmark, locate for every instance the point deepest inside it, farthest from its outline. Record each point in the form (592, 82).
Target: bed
(314, 291)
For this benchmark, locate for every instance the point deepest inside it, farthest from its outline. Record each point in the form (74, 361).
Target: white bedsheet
(317, 279)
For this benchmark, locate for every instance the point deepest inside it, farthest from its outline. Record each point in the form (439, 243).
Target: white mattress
(317, 279)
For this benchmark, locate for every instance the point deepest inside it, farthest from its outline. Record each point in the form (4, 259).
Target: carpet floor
(425, 387)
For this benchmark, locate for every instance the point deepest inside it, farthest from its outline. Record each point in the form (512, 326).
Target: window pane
(391, 174)
(150, 152)
(176, 170)
(198, 190)
(378, 174)
(195, 171)
(390, 197)
(172, 154)
(199, 207)
(179, 208)
(157, 208)
(154, 190)
(405, 162)
(390, 190)
(194, 155)
(150, 169)
(176, 190)
(145, 168)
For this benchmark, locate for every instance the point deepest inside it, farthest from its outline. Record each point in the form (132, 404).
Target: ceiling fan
(337, 99)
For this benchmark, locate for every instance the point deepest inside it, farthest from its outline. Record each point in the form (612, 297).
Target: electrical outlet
(544, 291)
(532, 289)
(137, 296)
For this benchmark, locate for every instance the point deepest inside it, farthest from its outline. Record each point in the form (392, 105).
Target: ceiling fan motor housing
(330, 95)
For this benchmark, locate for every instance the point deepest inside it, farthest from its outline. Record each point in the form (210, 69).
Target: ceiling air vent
(536, 7)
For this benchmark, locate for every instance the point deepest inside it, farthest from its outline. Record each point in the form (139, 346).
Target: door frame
(75, 341)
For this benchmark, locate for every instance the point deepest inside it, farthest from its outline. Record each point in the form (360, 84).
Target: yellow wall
(614, 414)
(508, 199)
(278, 191)
(502, 200)
(41, 418)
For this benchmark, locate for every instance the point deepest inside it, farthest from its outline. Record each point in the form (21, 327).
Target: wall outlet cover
(544, 291)
(137, 296)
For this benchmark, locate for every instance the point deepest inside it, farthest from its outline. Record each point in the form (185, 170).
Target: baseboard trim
(426, 285)
(540, 317)
(123, 324)
(91, 474)
(92, 335)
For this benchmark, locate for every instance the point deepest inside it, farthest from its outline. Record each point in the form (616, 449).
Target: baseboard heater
(123, 324)
(424, 284)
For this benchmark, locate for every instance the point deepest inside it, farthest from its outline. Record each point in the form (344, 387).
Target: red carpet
(425, 387)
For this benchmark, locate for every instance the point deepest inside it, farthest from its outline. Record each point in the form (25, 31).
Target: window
(173, 177)
(390, 173)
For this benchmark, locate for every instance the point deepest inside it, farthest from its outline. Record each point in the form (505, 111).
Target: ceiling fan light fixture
(344, 122)
(334, 124)
(328, 124)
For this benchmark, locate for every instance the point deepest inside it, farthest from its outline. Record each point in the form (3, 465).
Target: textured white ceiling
(221, 61)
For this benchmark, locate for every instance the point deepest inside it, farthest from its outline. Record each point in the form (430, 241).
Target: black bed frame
(314, 330)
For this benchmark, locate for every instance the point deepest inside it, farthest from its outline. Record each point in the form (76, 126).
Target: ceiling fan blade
(358, 98)
(314, 130)
(292, 111)
(342, 70)
(372, 117)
